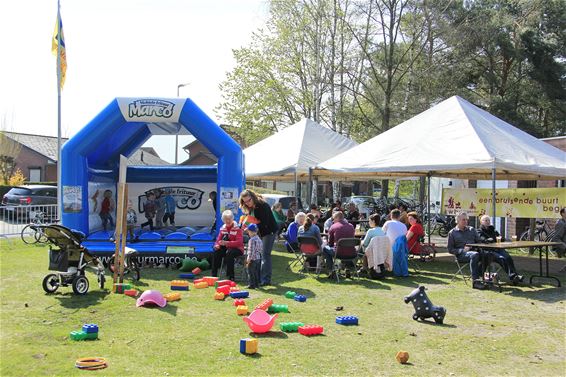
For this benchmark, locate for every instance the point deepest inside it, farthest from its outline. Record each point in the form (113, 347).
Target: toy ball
(402, 357)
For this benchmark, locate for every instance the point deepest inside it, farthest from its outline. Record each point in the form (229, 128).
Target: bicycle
(33, 232)
(542, 233)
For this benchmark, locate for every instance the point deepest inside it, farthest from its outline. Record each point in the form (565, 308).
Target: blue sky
(124, 48)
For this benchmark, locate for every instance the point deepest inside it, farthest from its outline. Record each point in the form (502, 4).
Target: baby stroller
(69, 258)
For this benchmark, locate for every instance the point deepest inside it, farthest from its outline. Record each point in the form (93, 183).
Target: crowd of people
(403, 229)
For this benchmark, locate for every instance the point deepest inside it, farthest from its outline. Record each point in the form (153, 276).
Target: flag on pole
(58, 45)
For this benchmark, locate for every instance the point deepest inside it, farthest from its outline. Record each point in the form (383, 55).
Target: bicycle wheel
(40, 237)
(28, 234)
(524, 237)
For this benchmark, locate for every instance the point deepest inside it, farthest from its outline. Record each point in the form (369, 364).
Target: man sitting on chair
(488, 234)
(458, 238)
(339, 229)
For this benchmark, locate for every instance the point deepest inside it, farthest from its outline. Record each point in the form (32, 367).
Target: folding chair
(346, 256)
(299, 259)
(427, 251)
(310, 248)
(461, 266)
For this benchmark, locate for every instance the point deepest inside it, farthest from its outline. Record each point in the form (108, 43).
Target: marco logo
(184, 197)
(151, 107)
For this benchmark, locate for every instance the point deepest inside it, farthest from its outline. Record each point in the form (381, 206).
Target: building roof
(44, 145)
(211, 157)
(47, 146)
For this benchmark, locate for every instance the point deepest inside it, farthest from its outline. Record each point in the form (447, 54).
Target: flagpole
(59, 188)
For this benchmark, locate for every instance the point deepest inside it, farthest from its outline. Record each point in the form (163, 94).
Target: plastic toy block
(234, 289)
(347, 320)
(196, 271)
(242, 310)
(90, 328)
(200, 285)
(239, 302)
(78, 335)
(224, 289)
(309, 330)
(120, 288)
(180, 283)
(240, 294)
(265, 304)
(210, 280)
(91, 336)
(188, 275)
(290, 326)
(179, 288)
(290, 294)
(300, 298)
(248, 346)
(131, 292)
(221, 283)
(219, 296)
(278, 308)
(199, 281)
(172, 296)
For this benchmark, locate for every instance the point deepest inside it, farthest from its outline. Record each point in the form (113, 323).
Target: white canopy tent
(293, 150)
(452, 139)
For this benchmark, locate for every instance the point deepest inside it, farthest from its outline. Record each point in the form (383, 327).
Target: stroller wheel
(50, 283)
(80, 285)
(101, 280)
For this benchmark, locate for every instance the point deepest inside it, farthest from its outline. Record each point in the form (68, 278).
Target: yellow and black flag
(58, 44)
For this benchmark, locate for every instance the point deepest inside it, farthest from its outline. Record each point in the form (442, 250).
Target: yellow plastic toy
(219, 296)
(173, 296)
(180, 283)
(202, 284)
(242, 310)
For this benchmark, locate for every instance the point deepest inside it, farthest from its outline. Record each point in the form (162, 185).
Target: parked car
(285, 201)
(21, 201)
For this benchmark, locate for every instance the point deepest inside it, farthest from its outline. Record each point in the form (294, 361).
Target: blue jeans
(106, 217)
(474, 258)
(503, 258)
(268, 241)
(254, 269)
(329, 252)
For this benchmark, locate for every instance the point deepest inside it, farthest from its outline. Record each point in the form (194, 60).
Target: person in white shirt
(394, 228)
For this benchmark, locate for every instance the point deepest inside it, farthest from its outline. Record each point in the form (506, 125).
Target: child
(106, 210)
(131, 219)
(253, 256)
(149, 210)
(170, 206)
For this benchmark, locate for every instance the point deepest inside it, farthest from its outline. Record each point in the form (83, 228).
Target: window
(35, 174)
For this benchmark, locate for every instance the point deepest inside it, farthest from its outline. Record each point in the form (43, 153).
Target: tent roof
(301, 146)
(452, 139)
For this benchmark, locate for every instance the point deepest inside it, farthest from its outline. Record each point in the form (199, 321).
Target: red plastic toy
(265, 305)
(310, 330)
(196, 271)
(220, 283)
(224, 289)
(239, 302)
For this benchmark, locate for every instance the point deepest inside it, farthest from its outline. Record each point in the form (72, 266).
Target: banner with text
(538, 203)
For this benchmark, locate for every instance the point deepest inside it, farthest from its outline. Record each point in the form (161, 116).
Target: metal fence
(14, 218)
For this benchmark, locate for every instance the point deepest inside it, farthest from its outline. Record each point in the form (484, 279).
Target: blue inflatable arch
(92, 157)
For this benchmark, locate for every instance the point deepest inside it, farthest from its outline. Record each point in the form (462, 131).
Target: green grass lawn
(520, 331)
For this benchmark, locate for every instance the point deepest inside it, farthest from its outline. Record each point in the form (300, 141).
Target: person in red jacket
(229, 245)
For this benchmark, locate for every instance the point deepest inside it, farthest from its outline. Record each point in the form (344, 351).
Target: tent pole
(493, 191)
(309, 191)
(428, 206)
(297, 195)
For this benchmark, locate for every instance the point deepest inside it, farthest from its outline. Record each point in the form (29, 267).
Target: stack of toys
(88, 332)
(179, 285)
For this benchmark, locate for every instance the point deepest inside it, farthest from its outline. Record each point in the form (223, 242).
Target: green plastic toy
(290, 294)
(278, 308)
(290, 326)
(190, 264)
(78, 335)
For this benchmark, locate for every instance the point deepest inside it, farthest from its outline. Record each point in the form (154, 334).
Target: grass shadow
(548, 295)
(70, 300)
(432, 323)
(270, 334)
